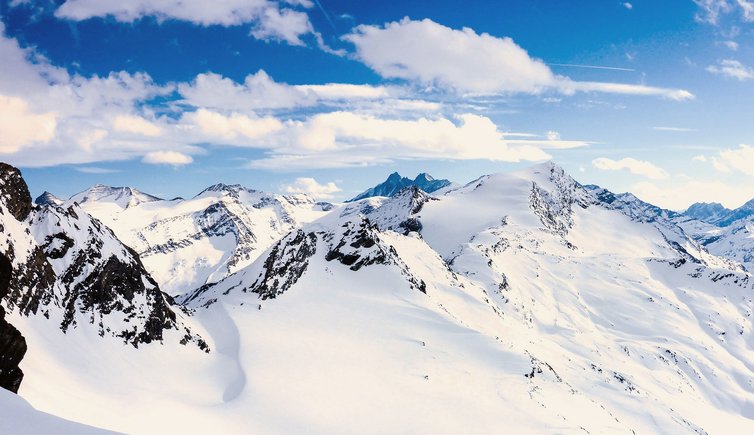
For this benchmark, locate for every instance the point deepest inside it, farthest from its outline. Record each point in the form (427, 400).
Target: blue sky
(329, 97)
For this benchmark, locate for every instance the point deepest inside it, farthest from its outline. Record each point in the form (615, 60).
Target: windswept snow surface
(19, 418)
(526, 304)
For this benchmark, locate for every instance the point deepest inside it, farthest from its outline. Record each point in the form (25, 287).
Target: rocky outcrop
(12, 343)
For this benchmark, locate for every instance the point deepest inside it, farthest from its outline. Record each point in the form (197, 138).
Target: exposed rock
(12, 343)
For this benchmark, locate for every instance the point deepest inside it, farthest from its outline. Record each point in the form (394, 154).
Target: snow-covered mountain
(709, 212)
(69, 270)
(395, 183)
(523, 301)
(526, 300)
(185, 244)
(123, 197)
(723, 232)
(47, 198)
(716, 214)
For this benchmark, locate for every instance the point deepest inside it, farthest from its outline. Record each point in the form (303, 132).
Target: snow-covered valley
(520, 302)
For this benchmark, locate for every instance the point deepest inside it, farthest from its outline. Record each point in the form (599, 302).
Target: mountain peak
(395, 183)
(47, 198)
(123, 197)
(230, 189)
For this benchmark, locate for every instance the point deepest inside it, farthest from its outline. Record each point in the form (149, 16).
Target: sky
(327, 97)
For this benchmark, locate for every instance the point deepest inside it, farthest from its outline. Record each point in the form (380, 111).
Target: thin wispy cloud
(675, 129)
(733, 69)
(610, 68)
(95, 170)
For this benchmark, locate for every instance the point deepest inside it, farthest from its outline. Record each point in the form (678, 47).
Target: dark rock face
(12, 343)
(14, 192)
(286, 263)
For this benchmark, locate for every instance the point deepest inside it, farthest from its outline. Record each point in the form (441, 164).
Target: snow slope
(18, 417)
(187, 243)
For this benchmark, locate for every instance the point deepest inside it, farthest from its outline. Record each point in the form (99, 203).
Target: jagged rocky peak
(48, 198)
(124, 197)
(395, 183)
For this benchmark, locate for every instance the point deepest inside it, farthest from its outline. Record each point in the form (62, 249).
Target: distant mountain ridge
(124, 197)
(395, 183)
(716, 214)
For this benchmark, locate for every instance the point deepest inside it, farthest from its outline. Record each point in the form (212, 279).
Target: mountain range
(524, 301)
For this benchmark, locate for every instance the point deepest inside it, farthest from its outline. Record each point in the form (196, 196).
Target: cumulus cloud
(19, 126)
(232, 127)
(637, 167)
(268, 19)
(259, 92)
(732, 68)
(740, 159)
(464, 61)
(343, 139)
(114, 117)
(311, 187)
(136, 125)
(173, 158)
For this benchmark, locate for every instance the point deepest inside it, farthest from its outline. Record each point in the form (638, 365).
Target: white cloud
(568, 86)
(232, 127)
(311, 187)
(259, 91)
(628, 5)
(20, 127)
(136, 125)
(268, 19)
(740, 159)
(720, 166)
(112, 118)
(732, 68)
(343, 139)
(699, 158)
(434, 54)
(167, 158)
(345, 91)
(638, 167)
(282, 25)
(466, 62)
(732, 45)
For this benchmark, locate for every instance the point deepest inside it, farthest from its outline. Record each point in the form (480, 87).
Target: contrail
(613, 68)
(324, 12)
